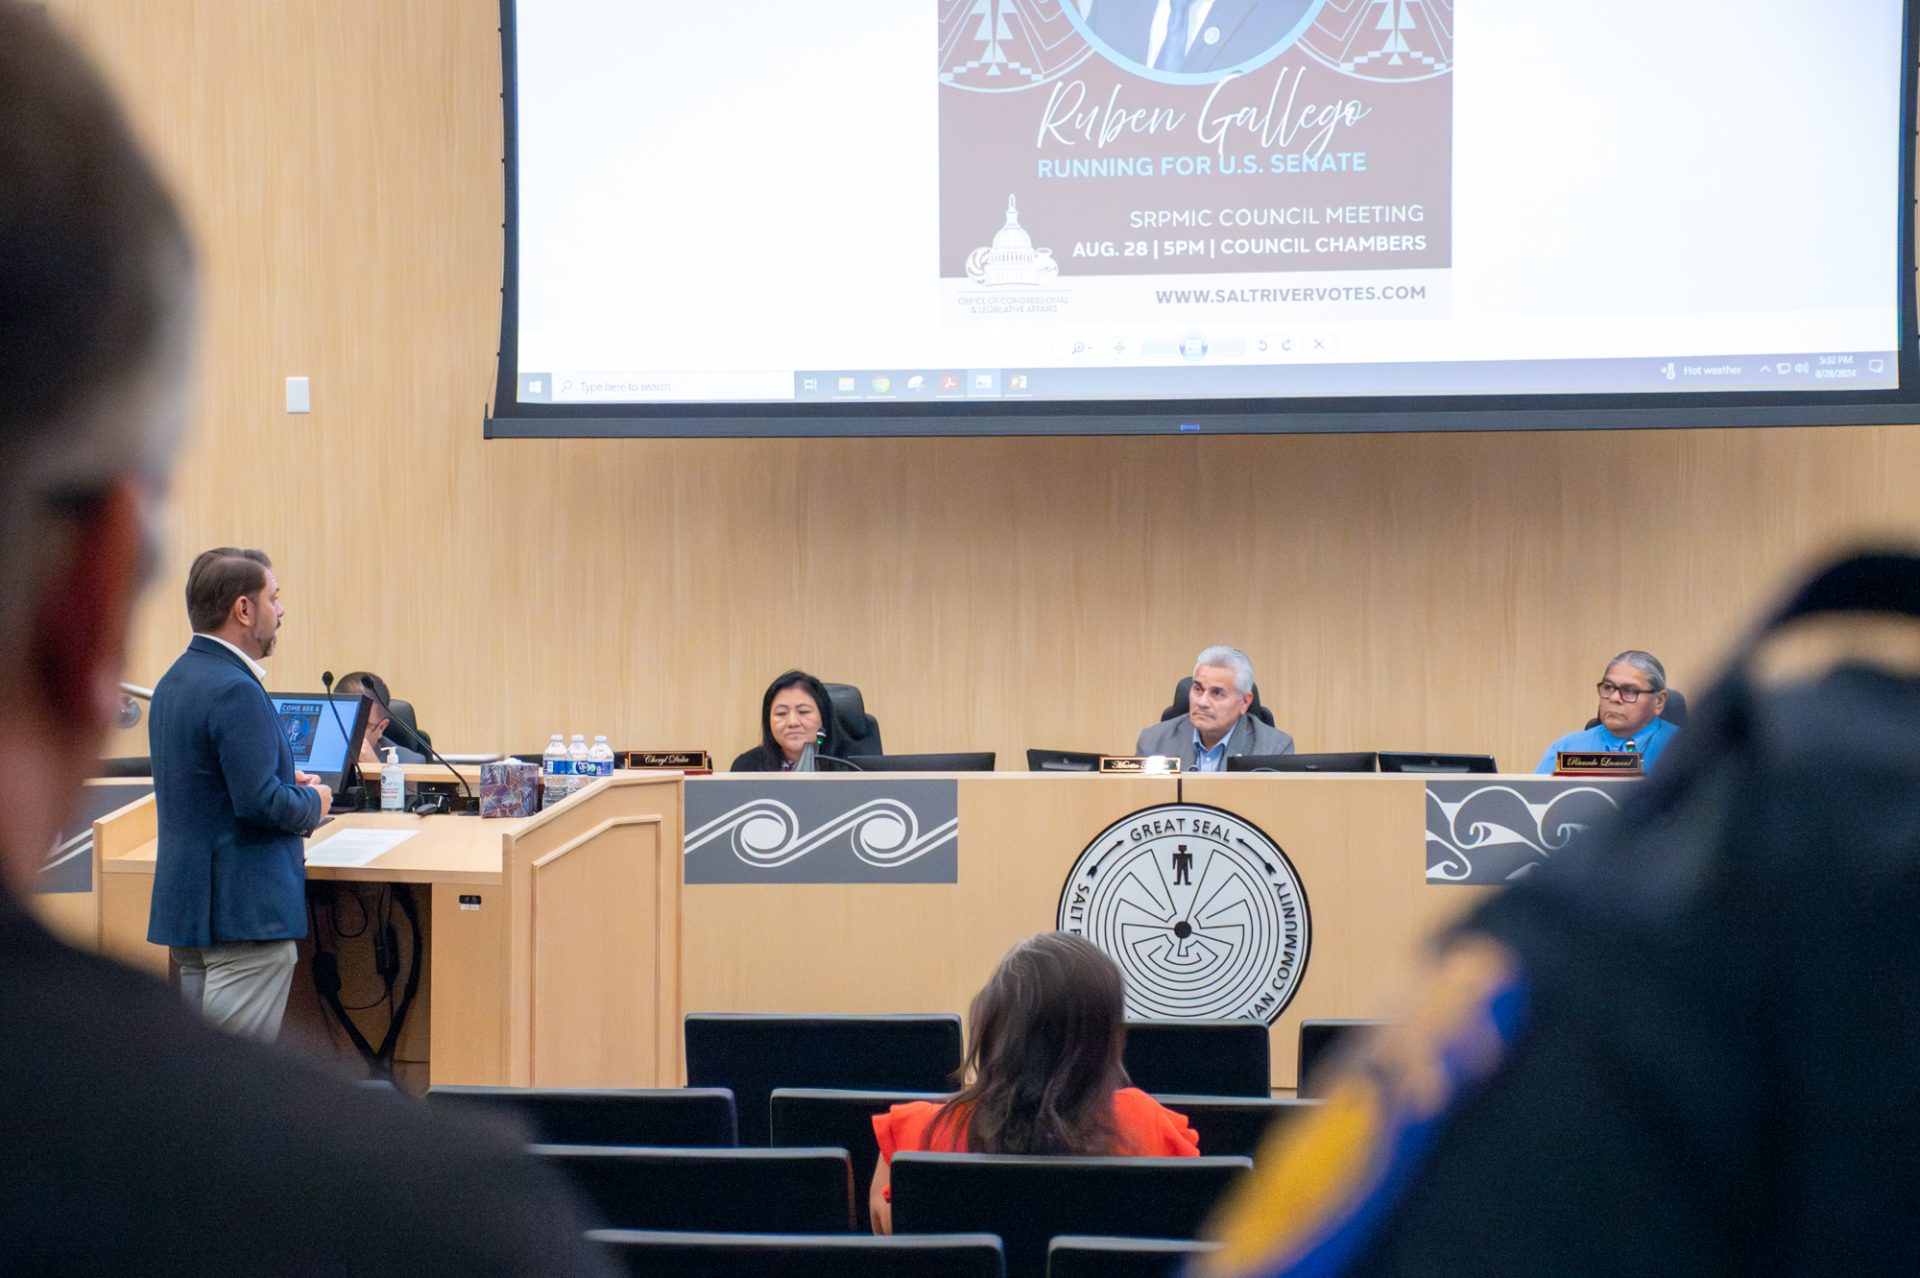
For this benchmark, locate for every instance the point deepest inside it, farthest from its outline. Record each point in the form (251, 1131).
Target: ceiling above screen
(1037, 216)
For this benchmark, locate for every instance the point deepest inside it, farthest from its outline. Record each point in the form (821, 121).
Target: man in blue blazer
(1195, 36)
(229, 883)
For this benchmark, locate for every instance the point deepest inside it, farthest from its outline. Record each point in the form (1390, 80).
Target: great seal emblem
(1200, 908)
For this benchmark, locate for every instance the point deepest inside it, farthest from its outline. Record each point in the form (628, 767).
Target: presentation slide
(907, 202)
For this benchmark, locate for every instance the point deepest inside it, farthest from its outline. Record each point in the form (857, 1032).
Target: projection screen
(904, 217)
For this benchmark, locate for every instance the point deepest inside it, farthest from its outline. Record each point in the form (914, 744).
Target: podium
(552, 942)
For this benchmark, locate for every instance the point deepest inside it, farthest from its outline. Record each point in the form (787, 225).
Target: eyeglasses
(1627, 693)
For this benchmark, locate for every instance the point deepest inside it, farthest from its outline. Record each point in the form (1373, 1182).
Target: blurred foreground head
(1687, 1043)
(96, 293)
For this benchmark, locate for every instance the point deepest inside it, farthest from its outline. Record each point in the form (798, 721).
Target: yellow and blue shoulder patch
(1322, 1184)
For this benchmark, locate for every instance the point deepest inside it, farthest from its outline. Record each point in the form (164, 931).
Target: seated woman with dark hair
(1043, 1053)
(795, 714)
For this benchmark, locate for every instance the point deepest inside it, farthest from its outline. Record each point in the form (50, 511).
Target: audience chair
(859, 731)
(683, 1116)
(1320, 1041)
(1085, 1256)
(790, 1191)
(654, 1254)
(826, 1116)
(1232, 1125)
(1199, 1058)
(1029, 1200)
(1183, 697)
(752, 1055)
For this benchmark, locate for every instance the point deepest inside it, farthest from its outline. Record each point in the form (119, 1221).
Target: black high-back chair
(1083, 1256)
(831, 1116)
(790, 1191)
(752, 1055)
(1183, 693)
(1234, 1125)
(681, 1116)
(402, 712)
(1321, 1040)
(1199, 1058)
(652, 1254)
(1029, 1200)
(859, 731)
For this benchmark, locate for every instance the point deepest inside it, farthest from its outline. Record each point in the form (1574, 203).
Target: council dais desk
(1356, 842)
(587, 945)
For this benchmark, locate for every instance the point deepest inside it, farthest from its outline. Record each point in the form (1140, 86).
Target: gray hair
(1233, 659)
(1646, 663)
(96, 291)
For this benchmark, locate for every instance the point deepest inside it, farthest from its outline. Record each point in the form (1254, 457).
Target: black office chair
(402, 712)
(788, 1191)
(1675, 713)
(1320, 1041)
(1199, 1058)
(1029, 1200)
(681, 1116)
(752, 1055)
(1183, 692)
(829, 1116)
(1084, 1256)
(859, 731)
(652, 1254)
(1234, 1125)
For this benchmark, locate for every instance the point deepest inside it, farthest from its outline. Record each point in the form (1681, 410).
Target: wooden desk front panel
(1357, 844)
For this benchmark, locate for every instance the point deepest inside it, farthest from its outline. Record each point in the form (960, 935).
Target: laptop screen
(324, 731)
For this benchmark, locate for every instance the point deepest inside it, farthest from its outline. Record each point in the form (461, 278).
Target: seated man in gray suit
(1216, 725)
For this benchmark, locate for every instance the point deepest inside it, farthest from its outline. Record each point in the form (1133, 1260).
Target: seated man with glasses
(1633, 693)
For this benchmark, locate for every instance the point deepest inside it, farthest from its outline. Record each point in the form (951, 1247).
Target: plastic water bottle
(582, 765)
(393, 782)
(602, 757)
(556, 772)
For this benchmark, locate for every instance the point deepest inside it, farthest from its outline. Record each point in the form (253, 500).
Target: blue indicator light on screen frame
(1189, 426)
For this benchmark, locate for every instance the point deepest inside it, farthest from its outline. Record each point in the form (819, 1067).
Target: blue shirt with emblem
(1648, 743)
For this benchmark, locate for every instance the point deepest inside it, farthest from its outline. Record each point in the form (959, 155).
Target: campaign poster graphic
(1085, 138)
(301, 722)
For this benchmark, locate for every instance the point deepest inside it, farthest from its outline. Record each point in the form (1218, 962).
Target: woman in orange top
(1045, 1037)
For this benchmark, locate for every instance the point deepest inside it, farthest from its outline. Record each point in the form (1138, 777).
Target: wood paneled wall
(340, 159)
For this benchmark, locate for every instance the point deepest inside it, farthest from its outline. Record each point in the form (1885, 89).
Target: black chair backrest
(859, 731)
(688, 1255)
(1029, 1200)
(793, 1191)
(1199, 1058)
(830, 1116)
(1319, 1041)
(1183, 694)
(683, 1116)
(402, 712)
(1083, 1256)
(1234, 1125)
(753, 1054)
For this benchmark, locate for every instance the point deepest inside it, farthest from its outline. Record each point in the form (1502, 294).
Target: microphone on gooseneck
(351, 768)
(813, 755)
(808, 752)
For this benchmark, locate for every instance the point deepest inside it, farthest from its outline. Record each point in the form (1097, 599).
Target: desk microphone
(351, 768)
(812, 755)
(420, 743)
